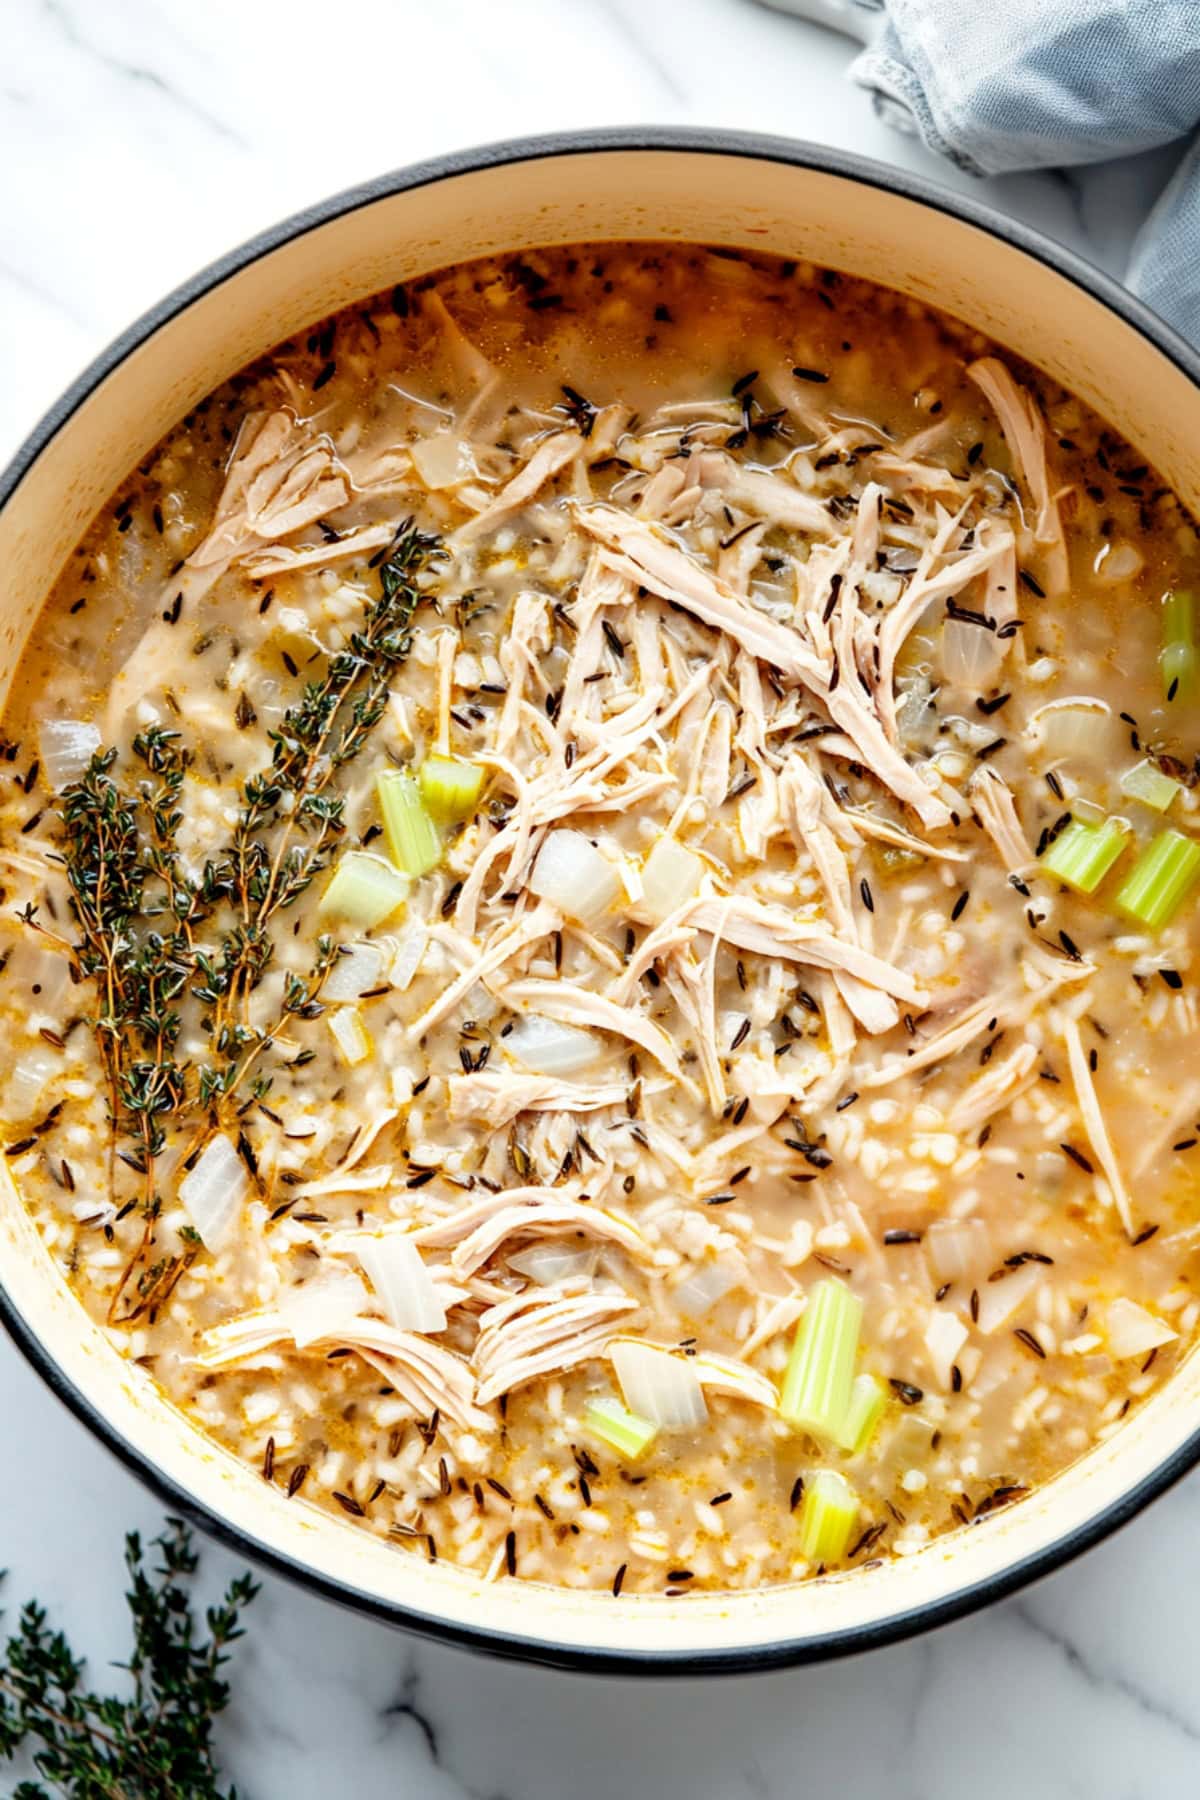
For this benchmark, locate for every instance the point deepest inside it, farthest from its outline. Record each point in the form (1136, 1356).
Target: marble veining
(140, 138)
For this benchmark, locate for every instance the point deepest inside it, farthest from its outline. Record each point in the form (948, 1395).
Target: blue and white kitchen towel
(1000, 85)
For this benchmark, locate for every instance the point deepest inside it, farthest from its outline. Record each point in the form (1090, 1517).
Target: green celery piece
(625, 1432)
(868, 1397)
(1147, 783)
(816, 1387)
(409, 832)
(1082, 854)
(1178, 659)
(1160, 880)
(827, 1516)
(364, 890)
(450, 788)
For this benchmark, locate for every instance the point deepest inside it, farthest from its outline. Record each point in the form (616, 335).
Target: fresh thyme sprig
(316, 738)
(156, 1742)
(152, 936)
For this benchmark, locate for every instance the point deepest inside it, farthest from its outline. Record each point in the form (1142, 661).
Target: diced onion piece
(816, 1387)
(827, 1516)
(410, 834)
(957, 1246)
(37, 977)
(323, 1306)
(971, 655)
(1132, 1331)
(406, 960)
(1000, 1301)
(659, 1386)
(1082, 854)
(67, 747)
(1147, 783)
(626, 1433)
(1077, 725)
(364, 891)
(441, 460)
(868, 1397)
(571, 872)
(1179, 661)
(1160, 880)
(671, 874)
(916, 715)
(406, 1290)
(699, 1293)
(551, 1048)
(355, 972)
(212, 1192)
(350, 1035)
(26, 1083)
(450, 788)
(549, 1264)
(945, 1336)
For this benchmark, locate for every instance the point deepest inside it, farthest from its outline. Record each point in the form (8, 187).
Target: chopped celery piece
(1160, 880)
(350, 1034)
(1082, 854)
(827, 1516)
(364, 890)
(868, 1397)
(409, 832)
(1178, 658)
(450, 788)
(1147, 783)
(816, 1387)
(627, 1432)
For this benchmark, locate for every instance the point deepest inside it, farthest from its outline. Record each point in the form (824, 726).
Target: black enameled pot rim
(743, 1660)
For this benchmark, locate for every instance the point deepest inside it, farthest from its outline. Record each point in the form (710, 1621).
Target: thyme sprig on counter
(153, 936)
(156, 1742)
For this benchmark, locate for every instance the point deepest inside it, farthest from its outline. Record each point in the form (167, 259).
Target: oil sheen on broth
(609, 990)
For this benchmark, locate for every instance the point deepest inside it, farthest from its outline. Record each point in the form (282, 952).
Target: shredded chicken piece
(872, 826)
(995, 1089)
(427, 1376)
(779, 1317)
(496, 1096)
(280, 477)
(770, 931)
(732, 1376)
(545, 1218)
(1025, 432)
(282, 559)
(771, 497)
(550, 458)
(509, 941)
(974, 1022)
(572, 1005)
(535, 1334)
(1093, 1123)
(993, 801)
(636, 550)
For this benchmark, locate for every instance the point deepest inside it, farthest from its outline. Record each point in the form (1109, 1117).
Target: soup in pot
(600, 864)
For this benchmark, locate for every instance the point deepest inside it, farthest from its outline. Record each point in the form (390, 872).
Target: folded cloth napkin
(999, 85)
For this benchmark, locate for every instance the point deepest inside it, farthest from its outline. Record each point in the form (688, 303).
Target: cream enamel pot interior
(798, 201)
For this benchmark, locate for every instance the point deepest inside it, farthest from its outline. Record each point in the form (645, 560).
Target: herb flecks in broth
(626, 821)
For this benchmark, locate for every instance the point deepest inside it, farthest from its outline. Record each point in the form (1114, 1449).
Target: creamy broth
(791, 645)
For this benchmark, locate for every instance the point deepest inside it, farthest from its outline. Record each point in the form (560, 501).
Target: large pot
(723, 188)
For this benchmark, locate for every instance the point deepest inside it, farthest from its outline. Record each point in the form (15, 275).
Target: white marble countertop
(140, 138)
